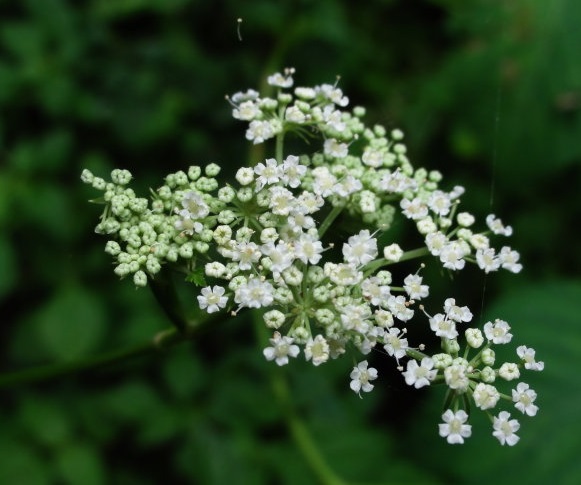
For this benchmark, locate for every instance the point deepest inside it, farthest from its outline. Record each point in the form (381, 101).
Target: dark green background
(489, 92)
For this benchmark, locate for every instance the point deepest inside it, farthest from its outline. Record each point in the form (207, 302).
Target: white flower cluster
(267, 244)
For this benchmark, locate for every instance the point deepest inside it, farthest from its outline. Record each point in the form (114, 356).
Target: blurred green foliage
(487, 91)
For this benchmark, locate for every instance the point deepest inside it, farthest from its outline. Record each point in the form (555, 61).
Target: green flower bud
(140, 278)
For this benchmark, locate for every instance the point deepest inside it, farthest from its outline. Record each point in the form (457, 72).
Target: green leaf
(8, 265)
(197, 277)
(162, 428)
(19, 463)
(45, 420)
(183, 373)
(22, 39)
(134, 401)
(71, 324)
(80, 464)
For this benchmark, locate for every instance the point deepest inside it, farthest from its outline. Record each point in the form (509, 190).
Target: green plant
(298, 237)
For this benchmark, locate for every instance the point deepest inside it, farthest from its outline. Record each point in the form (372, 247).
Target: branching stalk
(297, 428)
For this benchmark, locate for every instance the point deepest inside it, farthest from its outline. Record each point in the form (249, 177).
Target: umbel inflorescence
(268, 242)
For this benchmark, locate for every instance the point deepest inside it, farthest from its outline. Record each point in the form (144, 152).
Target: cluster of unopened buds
(266, 243)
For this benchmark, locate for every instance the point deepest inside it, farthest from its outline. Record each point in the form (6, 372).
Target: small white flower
(399, 307)
(372, 157)
(246, 253)
(420, 375)
(509, 260)
(299, 222)
(524, 399)
(456, 192)
(245, 175)
(254, 294)
(488, 375)
(140, 279)
(452, 255)
(396, 182)
(497, 227)
(240, 96)
(360, 249)
(528, 356)
(392, 252)
(397, 134)
(355, 317)
(309, 203)
(293, 276)
(268, 173)
(383, 318)
(457, 313)
(187, 223)
(308, 249)
(347, 185)
(488, 356)
(212, 299)
(282, 80)
(374, 292)
(487, 260)
(215, 269)
(317, 350)
(485, 396)
(195, 205)
(414, 209)
(414, 288)
(480, 241)
(439, 202)
(222, 235)
(344, 274)
(426, 226)
(443, 327)
(360, 377)
(465, 219)
(335, 149)
(305, 93)
(258, 131)
(367, 202)
(395, 345)
(441, 361)
(292, 171)
(509, 371)
(282, 200)
(456, 378)
(246, 111)
(281, 349)
(498, 332)
(281, 256)
(474, 337)
(505, 429)
(333, 118)
(325, 181)
(436, 242)
(294, 115)
(274, 319)
(454, 428)
(333, 93)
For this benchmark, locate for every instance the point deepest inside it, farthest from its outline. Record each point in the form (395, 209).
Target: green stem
(329, 220)
(415, 354)
(279, 147)
(413, 254)
(162, 340)
(164, 290)
(310, 451)
(296, 426)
